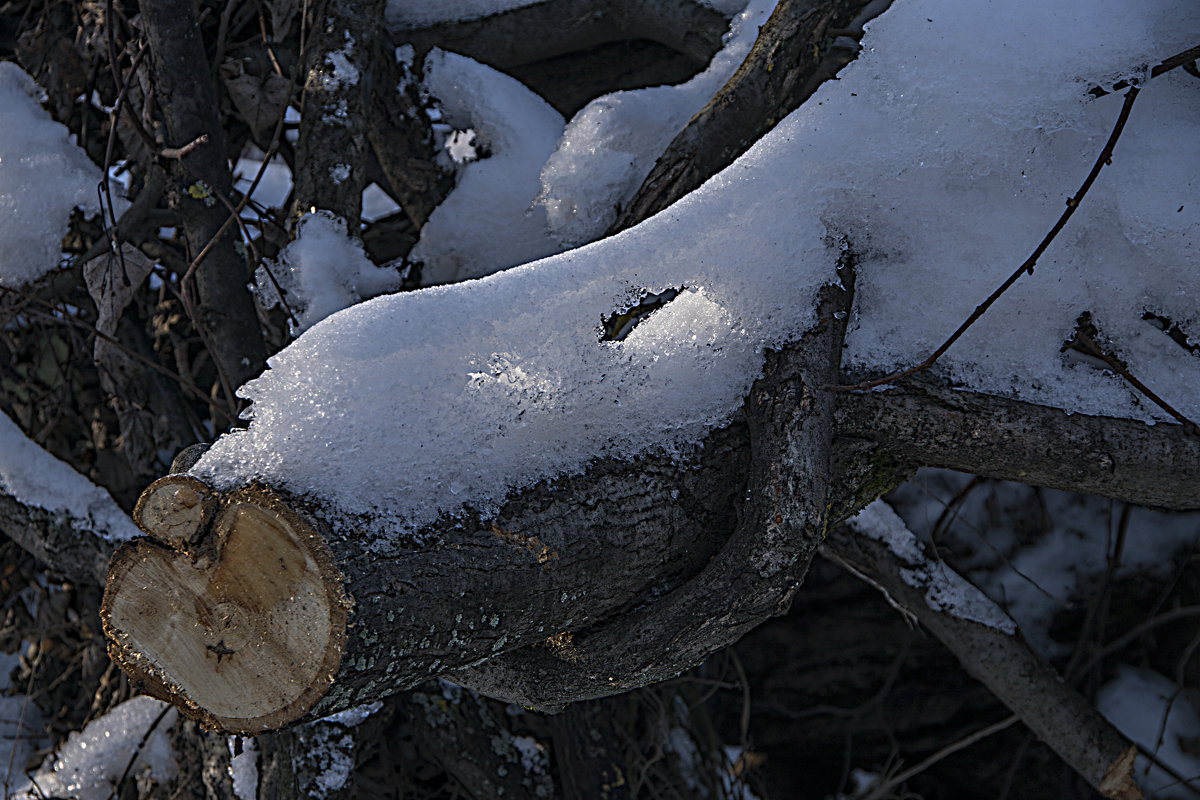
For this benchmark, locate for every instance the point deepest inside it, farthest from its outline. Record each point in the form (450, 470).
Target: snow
(946, 591)
(1050, 548)
(90, 763)
(34, 477)
(20, 728)
(272, 191)
(322, 271)
(43, 176)
(1151, 712)
(612, 143)
(488, 222)
(941, 156)
(243, 768)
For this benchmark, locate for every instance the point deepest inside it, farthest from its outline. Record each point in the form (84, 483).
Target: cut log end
(236, 614)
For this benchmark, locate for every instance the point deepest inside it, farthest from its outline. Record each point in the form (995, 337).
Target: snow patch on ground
(1035, 551)
(92, 761)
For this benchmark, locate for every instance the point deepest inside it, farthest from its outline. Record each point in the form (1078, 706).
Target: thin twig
(1179, 60)
(137, 751)
(1121, 369)
(1027, 267)
(881, 789)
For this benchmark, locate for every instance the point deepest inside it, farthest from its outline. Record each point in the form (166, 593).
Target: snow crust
(612, 143)
(322, 271)
(941, 157)
(34, 477)
(945, 590)
(90, 763)
(43, 176)
(489, 221)
(1155, 715)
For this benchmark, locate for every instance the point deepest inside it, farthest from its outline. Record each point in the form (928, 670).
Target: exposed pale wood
(175, 510)
(243, 628)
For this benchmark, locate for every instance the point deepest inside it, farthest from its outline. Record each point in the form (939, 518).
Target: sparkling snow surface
(36, 478)
(90, 763)
(942, 156)
(43, 176)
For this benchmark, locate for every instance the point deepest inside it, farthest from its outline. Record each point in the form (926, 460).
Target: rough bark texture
(566, 26)
(921, 422)
(71, 548)
(331, 153)
(401, 136)
(780, 522)
(789, 60)
(225, 308)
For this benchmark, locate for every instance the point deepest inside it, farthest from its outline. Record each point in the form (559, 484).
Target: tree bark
(985, 640)
(564, 26)
(227, 319)
(332, 150)
(790, 59)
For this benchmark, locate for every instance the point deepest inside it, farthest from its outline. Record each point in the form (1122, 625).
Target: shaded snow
(489, 221)
(613, 142)
(43, 176)
(1155, 715)
(90, 763)
(941, 156)
(34, 477)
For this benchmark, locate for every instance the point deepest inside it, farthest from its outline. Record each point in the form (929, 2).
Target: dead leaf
(260, 101)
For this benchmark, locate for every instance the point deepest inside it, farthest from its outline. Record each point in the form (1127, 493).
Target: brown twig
(1027, 267)
(1105, 158)
(1118, 366)
(56, 315)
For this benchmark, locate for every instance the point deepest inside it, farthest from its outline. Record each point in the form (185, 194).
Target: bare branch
(974, 629)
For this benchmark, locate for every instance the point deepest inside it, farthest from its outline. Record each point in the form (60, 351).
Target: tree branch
(226, 315)
(879, 546)
(921, 422)
(790, 59)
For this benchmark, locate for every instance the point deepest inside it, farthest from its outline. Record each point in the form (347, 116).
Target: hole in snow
(621, 324)
(1171, 328)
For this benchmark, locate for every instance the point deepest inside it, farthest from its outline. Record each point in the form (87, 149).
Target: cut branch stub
(176, 510)
(240, 619)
